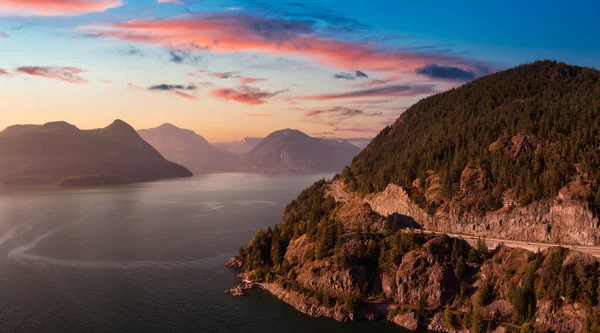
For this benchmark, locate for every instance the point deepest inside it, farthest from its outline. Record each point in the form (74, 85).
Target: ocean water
(144, 258)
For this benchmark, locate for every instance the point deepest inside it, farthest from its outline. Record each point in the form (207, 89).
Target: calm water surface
(144, 258)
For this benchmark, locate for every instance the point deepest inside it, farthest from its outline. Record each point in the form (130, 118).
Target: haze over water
(144, 258)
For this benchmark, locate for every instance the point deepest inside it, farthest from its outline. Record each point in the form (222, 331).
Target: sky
(236, 68)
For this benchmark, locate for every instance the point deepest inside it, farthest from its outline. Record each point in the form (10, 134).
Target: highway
(531, 246)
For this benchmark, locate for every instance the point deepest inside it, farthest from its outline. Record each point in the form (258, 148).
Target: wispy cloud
(131, 51)
(350, 76)
(4, 72)
(55, 7)
(176, 89)
(337, 111)
(400, 90)
(234, 32)
(67, 74)
(169, 87)
(245, 94)
(4, 35)
(244, 80)
(183, 57)
(446, 73)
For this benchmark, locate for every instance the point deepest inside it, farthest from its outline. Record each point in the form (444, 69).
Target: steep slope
(511, 155)
(239, 147)
(293, 151)
(514, 155)
(60, 152)
(188, 149)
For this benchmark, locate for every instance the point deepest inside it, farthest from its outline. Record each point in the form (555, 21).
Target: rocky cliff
(512, 156)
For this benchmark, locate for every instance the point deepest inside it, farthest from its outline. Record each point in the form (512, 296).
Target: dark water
(144, 258)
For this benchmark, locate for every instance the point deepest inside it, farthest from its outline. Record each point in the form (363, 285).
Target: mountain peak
(168, 126)
(58, 125)
(120, 126)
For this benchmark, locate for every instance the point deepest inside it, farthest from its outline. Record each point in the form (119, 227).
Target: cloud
(344, 76)
(66, 74)
(401, 90)
(248, 80)
(351, 76)
(177, 2)
(244, 80)
(4, 35)
(446, 73)
(224, 75)
(184, 95)
(362, 129)
(206, 84)
(337, 111)
(169, 87)
(176, 89)
(4, 72)
(131, 51)
(55, 7)
(235, 32)
(245, 94)
(361, 74)
(183, 57)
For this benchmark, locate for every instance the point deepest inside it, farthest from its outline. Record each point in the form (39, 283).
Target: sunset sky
(230, 69)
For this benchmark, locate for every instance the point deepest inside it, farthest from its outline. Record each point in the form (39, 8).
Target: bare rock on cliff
(357, 214)
(299, 249)
(569, 318)
(326, 274)
(407, 320)
(424, 273)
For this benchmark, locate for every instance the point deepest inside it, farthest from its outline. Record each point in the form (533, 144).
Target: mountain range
(188, 149)
(60, 153)
(284, 151)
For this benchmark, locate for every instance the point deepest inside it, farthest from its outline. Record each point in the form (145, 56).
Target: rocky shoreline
(434, 315)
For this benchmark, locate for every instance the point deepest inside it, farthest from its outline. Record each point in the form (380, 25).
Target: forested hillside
(530, 129)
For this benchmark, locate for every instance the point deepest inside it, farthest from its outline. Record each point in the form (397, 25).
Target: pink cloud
(4, 72)
(246, 95)
(177, 2)
(248, 80)
(233, 32)
(56, 7)
(66, 74)
(184, 95)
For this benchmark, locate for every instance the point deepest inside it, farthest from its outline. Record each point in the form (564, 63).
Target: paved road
(531, 246)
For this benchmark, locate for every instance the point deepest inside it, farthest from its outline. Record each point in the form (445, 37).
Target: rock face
(557, 220)
(188, 149)
(293, 151)
(60, 152)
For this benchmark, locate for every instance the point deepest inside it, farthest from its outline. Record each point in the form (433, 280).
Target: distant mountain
(239, 147)
(60, 153)
(293, 151)
(359, 142)
(189, 149)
